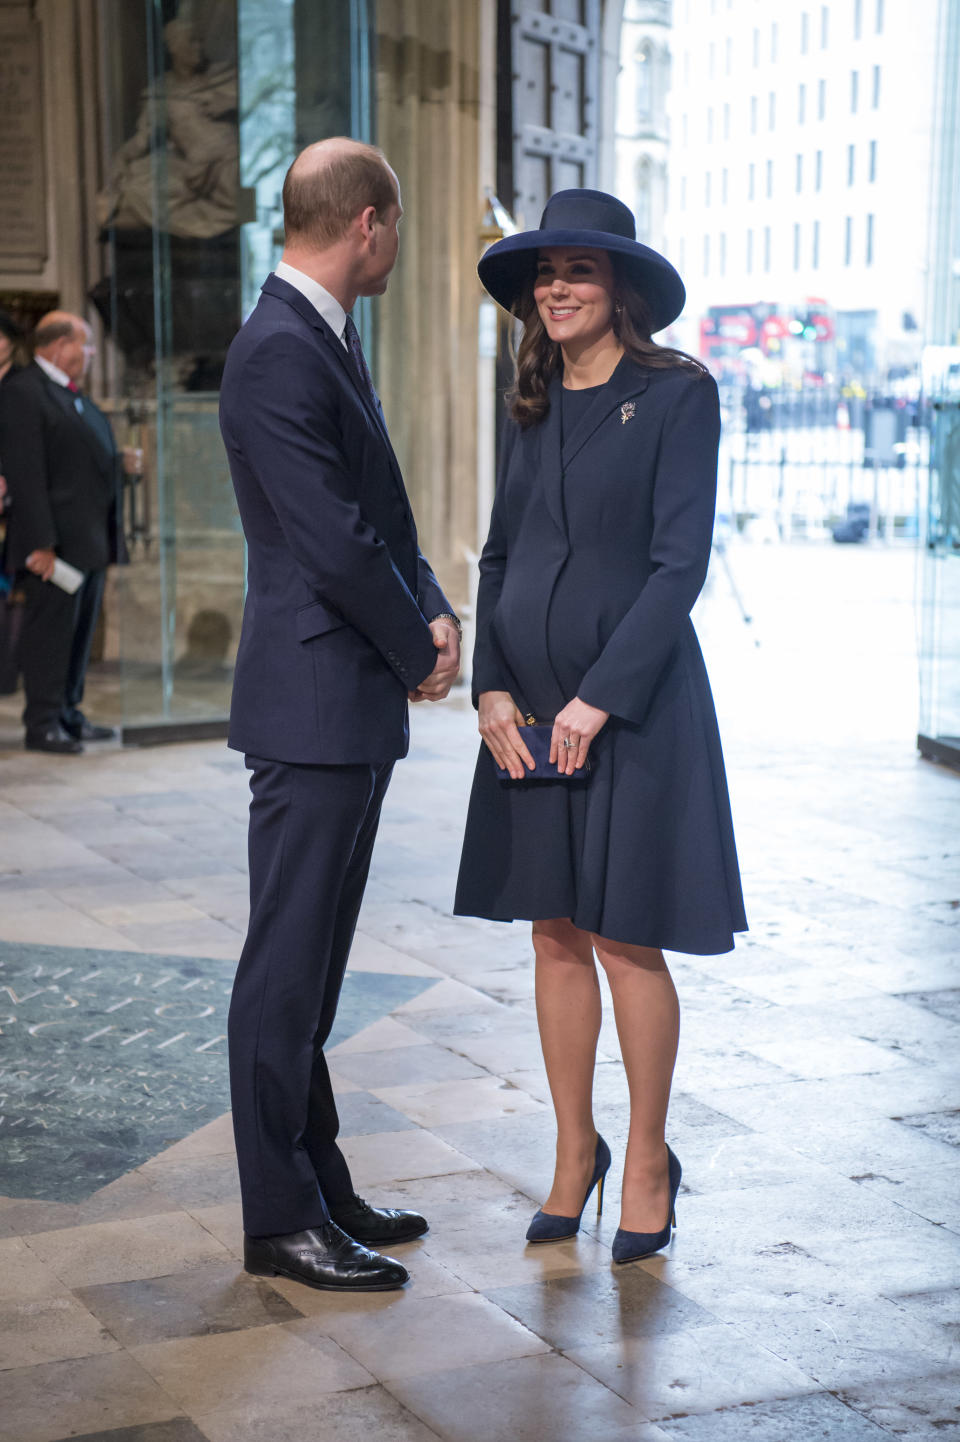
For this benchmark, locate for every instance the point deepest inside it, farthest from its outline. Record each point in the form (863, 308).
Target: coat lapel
(276, 286)
(551, 462)
(67, 402)
(611, 406)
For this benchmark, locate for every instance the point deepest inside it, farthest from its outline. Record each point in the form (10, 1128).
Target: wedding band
(568, 743)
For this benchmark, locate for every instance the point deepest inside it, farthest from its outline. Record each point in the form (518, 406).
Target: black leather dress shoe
(323, 1257)
(85, 730)
(53, 739)
(377, 1225)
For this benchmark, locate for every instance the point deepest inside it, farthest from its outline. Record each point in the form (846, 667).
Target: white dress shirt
(54, 372)
(322, 301)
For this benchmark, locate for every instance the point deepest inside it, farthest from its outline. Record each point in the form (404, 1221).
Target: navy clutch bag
(537, 741)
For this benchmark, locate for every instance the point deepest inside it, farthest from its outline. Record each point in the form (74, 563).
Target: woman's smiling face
(574, 293)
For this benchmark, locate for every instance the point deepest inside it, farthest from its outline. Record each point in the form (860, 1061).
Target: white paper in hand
(67, 577)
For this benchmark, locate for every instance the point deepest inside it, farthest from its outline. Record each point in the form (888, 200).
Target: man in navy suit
(343, 622)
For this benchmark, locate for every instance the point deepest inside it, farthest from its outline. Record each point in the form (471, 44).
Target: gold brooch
(627, 412)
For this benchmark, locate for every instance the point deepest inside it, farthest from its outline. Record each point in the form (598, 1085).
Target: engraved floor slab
(118, 1054)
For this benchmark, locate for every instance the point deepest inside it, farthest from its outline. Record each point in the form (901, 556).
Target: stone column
(432, 125)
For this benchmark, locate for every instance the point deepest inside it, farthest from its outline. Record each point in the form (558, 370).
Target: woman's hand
(577, 723)
(500, 723)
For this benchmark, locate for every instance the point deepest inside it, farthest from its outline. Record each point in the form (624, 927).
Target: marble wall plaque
(23, 208)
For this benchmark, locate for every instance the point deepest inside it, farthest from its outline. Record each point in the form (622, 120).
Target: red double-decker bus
(728, 330)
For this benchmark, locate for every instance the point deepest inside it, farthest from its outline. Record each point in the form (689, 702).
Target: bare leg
(648, 1023)
(568, 1013)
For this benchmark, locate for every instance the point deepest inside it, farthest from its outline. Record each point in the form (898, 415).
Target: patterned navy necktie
(351, 336)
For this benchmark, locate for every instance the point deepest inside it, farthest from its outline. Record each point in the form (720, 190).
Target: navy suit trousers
(312, 830)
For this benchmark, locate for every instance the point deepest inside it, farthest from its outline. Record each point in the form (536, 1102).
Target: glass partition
(207, 102)
(939, 737)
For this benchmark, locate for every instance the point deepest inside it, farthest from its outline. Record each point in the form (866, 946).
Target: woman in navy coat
(598, 549)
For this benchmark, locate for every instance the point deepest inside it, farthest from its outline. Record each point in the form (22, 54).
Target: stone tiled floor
(813, 1288)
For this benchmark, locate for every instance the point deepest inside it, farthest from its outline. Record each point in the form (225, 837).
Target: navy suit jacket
(335, 624)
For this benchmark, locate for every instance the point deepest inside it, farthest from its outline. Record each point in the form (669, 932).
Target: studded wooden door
(548, 100)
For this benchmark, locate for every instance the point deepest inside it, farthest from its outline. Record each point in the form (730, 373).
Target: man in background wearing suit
(343, 621)
(63, 475)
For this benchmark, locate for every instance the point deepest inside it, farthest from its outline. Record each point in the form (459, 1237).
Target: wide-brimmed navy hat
(596, 221)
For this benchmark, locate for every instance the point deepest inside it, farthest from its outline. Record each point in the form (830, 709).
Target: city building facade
(800, 168)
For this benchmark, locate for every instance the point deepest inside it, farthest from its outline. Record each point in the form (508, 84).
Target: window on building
(804, 32)
(872, 163)
(706, 189)
(722, 258)
(824, 26)
(724, 177)
(706, 255)
(683, 192)
(847, 239)
(854, 91)
(682, 254)
(869, 240)
(684, 129)
(709, 123)
(728, 55)
(857, 19)
(751, 181)
(726, 120)
(643, 208)
(643, 82)
(799, 174)
(818, 171)
(774, 40)
(815, 250)
(801, 104)
(686, 67)
(711, 59)
(756, 47)
(851, 163)
(767, 248)
(796, 245)
(772, 110)
(769, 179)
(876, 86)
(878, 26)
(753, 115)
(821, 99)
(749, 254)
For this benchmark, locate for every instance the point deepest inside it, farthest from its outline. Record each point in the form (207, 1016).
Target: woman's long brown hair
(539, 358)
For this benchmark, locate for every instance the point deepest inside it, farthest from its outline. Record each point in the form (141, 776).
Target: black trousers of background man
(312, 830)
(55, 647)
(87, 612)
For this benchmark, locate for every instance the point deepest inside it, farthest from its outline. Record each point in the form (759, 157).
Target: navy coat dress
(598, 549)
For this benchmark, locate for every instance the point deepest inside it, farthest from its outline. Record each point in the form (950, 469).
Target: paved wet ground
(811, 1291)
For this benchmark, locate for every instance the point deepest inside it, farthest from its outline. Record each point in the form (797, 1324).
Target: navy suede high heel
(545, 1227)
(630, 1246)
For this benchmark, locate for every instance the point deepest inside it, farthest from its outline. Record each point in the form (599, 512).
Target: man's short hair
(319, 202)
(49, 331)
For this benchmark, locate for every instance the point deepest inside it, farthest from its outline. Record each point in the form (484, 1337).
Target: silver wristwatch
(449, 616)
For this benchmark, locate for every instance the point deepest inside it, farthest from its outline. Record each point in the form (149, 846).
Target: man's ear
(367, 221)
